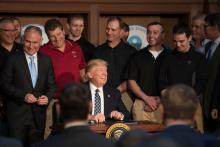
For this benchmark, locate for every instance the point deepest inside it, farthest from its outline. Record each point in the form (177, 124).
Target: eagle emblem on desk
(115, 131)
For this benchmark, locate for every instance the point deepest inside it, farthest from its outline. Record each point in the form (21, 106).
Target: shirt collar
(217, 41)
(93, 87)
(75, 123)
(27, 56)
(118, 45)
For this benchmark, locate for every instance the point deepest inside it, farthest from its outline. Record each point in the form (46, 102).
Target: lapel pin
(108, 95)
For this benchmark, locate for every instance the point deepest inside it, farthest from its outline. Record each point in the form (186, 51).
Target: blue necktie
(33, 71)
(97, 102)
(209, 52)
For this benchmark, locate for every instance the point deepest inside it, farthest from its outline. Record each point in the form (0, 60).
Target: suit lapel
(39, 68)
(213, 67)
(107, 100)
(26, 69)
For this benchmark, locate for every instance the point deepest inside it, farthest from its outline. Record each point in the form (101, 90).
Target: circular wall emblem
(137, 36)
(115, 131)
(135, 41)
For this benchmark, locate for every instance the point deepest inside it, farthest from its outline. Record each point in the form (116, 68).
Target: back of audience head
(132, 138)
(75, 102)
(180, 103)
(156, 141)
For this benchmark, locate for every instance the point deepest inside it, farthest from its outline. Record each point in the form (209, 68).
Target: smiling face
(57, 38)
(182, 42)
(76, 27)
(198, 32)
(155, 35)
(98, 75)
(113, 31)
(32, 42)
(7, 33)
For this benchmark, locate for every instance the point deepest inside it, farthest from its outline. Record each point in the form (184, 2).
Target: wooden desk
(102, 128)
(145, 125)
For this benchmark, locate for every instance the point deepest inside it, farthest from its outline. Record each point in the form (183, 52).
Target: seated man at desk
(74, 107)
(106, 101)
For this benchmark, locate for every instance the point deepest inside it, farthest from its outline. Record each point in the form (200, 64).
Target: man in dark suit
(211, 99)
(8, 142)
(106, 101)
(28, 80)
(7, 46)
(74, 104)
(179, 105)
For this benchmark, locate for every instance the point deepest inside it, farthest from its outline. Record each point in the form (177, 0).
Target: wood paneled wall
(38, 11)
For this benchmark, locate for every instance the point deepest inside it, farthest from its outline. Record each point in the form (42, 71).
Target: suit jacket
(8, 142)
(17, 83)
(112, 101)
(184, 136)
(77, 136)
(213, 66)
(180, 136)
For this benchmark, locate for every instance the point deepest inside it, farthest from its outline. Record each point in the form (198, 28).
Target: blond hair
(93, 63)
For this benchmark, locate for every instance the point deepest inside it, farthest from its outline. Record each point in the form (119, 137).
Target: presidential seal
(115, 131)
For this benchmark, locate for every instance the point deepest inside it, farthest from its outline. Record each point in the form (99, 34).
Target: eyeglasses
(7, 30)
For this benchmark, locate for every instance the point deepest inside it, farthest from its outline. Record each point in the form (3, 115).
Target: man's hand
(152, 102)
(117, 115)
(43, 100)
(30, 98)
(98, 118)
(214, 113)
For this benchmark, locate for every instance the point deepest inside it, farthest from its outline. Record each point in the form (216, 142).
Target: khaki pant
(127, 100)
(139, 113)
